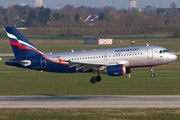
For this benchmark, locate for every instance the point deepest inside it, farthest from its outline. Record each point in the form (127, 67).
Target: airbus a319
(114, 62)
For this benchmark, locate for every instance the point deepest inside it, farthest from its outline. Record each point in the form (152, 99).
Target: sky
(94, 3)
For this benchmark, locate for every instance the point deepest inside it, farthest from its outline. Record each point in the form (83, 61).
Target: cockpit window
(163, 51)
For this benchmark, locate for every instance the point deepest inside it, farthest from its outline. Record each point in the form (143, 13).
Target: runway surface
(124, 101)
(7, 54)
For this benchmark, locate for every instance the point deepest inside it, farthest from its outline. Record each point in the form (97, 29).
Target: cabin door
(43, 62)
(150, 53)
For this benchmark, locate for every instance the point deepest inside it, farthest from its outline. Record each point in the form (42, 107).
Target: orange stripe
(60, 61)
(123, 69)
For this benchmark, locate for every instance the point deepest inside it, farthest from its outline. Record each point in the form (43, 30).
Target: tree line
(72, 17)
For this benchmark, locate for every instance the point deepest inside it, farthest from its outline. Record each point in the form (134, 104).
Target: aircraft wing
(89, 65)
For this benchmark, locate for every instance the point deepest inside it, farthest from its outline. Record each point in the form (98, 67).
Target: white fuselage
(139, 56)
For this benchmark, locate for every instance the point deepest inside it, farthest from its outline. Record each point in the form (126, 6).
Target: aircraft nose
(173, 57)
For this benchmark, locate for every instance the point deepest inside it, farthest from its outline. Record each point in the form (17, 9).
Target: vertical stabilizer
(20, 44)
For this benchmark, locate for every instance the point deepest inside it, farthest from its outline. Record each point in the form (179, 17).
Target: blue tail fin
(20, 45)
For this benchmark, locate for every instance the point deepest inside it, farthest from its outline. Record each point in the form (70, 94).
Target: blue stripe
(12, 39)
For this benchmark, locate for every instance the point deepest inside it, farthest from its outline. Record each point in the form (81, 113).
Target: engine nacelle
(116, 70)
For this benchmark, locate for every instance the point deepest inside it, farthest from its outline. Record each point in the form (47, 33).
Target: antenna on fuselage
(72, 50)
(147, 44)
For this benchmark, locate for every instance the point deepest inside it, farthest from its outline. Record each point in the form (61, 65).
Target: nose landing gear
(152, 74)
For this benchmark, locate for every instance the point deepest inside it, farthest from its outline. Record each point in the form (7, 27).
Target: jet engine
(116, 70)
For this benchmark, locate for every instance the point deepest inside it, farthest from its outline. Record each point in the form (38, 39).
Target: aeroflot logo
(124, 50)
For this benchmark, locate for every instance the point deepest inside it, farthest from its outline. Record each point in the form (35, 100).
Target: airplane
(114, 61)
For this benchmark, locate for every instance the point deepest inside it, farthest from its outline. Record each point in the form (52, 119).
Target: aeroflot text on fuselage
(124, 50)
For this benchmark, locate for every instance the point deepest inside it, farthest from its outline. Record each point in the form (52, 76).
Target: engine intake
(116, 70)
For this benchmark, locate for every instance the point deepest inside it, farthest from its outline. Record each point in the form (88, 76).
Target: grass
(16, 81)
(89, 114)
(66, 44)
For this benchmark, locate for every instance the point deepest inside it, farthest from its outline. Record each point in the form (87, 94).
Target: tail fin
(20, 45)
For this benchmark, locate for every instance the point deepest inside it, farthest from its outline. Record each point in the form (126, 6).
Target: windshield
(163, 51)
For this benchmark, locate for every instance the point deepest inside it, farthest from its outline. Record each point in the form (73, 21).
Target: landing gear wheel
(93, 80)
(152, 75)
(98, 78)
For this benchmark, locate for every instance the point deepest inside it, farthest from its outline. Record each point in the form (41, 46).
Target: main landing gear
(95, 79)
(152, 74)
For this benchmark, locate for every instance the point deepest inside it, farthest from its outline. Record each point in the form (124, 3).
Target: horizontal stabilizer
(24, 62)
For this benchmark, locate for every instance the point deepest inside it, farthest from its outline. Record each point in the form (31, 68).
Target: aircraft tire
(98, 78)
(93, 80)
(152, 75)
